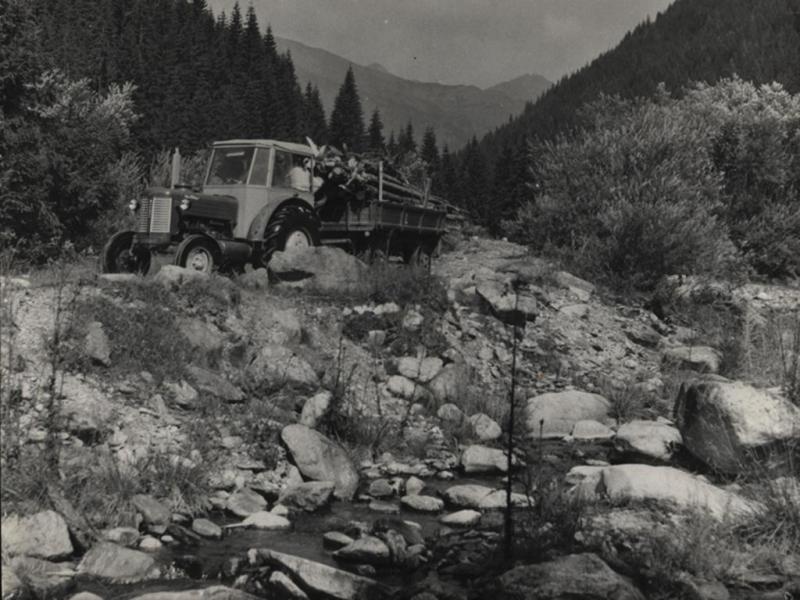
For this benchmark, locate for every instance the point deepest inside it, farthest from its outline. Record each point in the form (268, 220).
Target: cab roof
(286, 146)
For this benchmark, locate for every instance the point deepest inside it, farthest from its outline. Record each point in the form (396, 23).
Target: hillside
(457, 112)
(693, 40)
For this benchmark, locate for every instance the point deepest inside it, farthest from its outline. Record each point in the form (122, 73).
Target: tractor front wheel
(120, 256)
(198, 253)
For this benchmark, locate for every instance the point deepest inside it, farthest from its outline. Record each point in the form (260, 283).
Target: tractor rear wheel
(290, 228)
(198, 253)
(418, 256)
(119, 255)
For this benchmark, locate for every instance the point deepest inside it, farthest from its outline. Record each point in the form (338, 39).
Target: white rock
(591, 430)
(422, 503)
(648, 438)
(422, 370)
(558, 412)
(42, 535)
(263, 520)
(461, 518)
(486, 429)
(315, 408)
(482, 459)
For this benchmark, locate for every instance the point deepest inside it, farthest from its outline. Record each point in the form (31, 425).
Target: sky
(476, 42)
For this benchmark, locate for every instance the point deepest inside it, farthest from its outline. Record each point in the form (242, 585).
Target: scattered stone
(326, 268)
(42, 535)
(183, 394)
(285, 587)
(308, 496)
(414, 485)
(509, 307)
(334, 540)
(280, 510)
(467, 495)
(448, 385)
(96, 344)
(420, 369)
(404, 388)
(422, 503)
(557, 412)
(591, 430)
(263, 520)
(275, 365)
(482, 459)
(412, 320)
(450, 413)
(124, 536)
(376, 338)
(150, 544)
(726, 424)
(461, 518)
(42, 578)
(652, 439)
(366, 550)
(207, 529)
(320, 459)
(315, 408)
(245, 502)
(381, 488)
(486, 429)
(583, 576)
(381, 506)
(702, 359)
(115, 564)
(214, 385)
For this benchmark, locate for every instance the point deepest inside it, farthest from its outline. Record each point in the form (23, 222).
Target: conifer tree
(376, 142)
(475, 183)
(430, 151)
(405, 141)
(347, 118)
(315, 124)
(391, 145)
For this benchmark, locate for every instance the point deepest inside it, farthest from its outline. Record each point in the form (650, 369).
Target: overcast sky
(458, 41)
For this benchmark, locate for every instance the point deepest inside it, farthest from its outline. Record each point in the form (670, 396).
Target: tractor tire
(418, 256)
(198, 253)
(119, 257)
(290, 227)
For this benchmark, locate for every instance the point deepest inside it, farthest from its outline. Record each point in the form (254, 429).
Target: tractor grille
(143, 215)
(160, 213)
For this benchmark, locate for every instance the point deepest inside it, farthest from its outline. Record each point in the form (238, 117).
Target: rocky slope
(364, 412)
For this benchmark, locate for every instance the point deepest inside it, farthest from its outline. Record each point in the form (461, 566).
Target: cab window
(258, 176)
(229, 166)
(292, 171)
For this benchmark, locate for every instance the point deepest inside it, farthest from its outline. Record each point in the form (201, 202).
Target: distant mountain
(526, 88)
(457, 112)
(378, 67)
(692, 40)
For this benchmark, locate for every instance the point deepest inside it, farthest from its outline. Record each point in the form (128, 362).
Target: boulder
(381, 488)
(245, 502)
(97, 345)
(12, 587)
(276, 326)
(315, 408)
(702, 359)
(320, 459)
(507, 306)
(591, 430)
(150, 544)
(557, 412)
(44, 579)
(334, 540)
(86, 409)
(183, 394)
(414, 485)
(583, 576)
(450, 414)
(308, 496)
(207, 529)
(154, 513)
(265, 520)
(124, 536)
(673, 487)
(420, 369)
(482, 459)
(569, 281)
(214, 385)
(214, 592)
(202, 336)
(461, 518)
(321, 580)
(652, 439)
(274, 366)
(727, 424)
(366, 550)
(422, 503)
(115, 564)
(42, 535)
(285, 588)
(325, 268)
(403, 387)
(486, 429)
(467, 495)
(449, 384)
(385, 507)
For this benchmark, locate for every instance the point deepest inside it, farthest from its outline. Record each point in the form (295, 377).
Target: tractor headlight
(185, 204)
(133, 205)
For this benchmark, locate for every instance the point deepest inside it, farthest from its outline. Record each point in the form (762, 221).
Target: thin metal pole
(509, 520)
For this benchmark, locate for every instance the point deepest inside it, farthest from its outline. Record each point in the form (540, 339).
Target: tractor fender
(258, 227)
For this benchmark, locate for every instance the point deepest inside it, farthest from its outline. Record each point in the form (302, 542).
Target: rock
(183, 394)
(450, 413)
(325, 268)
(214, 592)
(285, 588)
(702, 359)
(559, 411)
(381, 488)
(461, 518)
(214, 385)
(86, 408)
(448, 385)
(674, 487)
(42, 578)
(482, 459)
(695, 588)
(412, 320)
(381, 506)
(115, 564)
(154, 513)
(308, 496)
(96, 344)
(652, 439)
(245, 502)
(585, 479)
(422, 503)
(85, 595)
(320, 459)
(274, 366)
(124, 536)
(207, 529)
(263, 520)
(420, 369)
(576, 311)
(321, 580)
(175, 276)
(410, 530)
(497, 499)
(726, 424)
(366, 550)
(280, 510)
(583, 576)
(334, 540)
(277, 327)
(315, 408)
(467, 495)
(404, 388)
(591, 430)
(503, 303)
(414, 485)
(203, 337)
(12, 587)
(150, 544)
(42, 535)
(486, 429)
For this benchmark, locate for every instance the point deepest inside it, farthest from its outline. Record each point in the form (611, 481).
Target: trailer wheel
(198, 253)
(119, 255)
(418, 256)
(291, 227)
